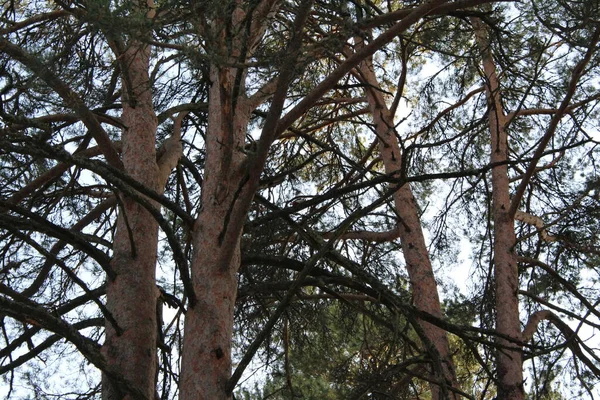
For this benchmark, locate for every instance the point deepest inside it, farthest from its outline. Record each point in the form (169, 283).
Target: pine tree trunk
(226, 196)
(510, 357)
(418, 264)
(131, 296)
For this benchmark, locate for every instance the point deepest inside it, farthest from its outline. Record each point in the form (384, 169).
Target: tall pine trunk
(227, 191)
(418, 265)
(509, 362)
(131, 296)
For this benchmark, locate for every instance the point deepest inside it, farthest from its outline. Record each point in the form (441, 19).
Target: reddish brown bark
(232, 178)
(418, 264)
(230, 182)
(131, 296)
(510, 359)
(229, 185)
(206, 365)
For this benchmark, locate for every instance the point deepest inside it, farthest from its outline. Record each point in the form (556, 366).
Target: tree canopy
(299, 199)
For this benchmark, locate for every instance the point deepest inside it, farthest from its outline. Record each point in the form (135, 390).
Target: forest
(299, 199)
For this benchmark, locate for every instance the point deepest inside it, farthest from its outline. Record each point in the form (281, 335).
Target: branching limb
(22, 307)
(566, 284)
(70, 97)
(573, 340)
(58, 311)
(576, 75)
(170, 152)
(538, 223)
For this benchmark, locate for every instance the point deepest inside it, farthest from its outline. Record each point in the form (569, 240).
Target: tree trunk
(418, 264)
(226, 195)
(510, 357)
(131, 296)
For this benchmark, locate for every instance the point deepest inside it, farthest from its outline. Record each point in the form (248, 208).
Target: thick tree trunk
(510, 358)
(206, 365)
(418, 264)
(131, 296)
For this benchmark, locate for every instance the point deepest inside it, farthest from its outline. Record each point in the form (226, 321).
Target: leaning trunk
(510, 358)
(418, 264)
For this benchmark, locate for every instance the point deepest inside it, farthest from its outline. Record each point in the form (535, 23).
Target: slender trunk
(418, 264)
(131, 296)
(510, 358)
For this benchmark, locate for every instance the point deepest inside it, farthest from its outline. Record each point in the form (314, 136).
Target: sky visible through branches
(299, 199)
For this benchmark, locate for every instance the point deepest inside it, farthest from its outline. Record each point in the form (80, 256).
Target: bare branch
(573, 340)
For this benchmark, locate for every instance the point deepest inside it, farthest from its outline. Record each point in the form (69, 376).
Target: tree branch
(576, 75)
(70, 97)
(573, 341)
(408, 19)
(23, 307)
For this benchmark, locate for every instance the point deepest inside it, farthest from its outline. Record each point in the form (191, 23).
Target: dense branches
(346, 199)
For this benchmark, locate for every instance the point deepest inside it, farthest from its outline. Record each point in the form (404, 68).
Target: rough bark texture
(206, 365)
(227, 192)
(510, 358)
(131, 296)
(418, 264)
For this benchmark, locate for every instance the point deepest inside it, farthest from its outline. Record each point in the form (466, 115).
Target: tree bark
(510, 358)
(226, 195)
(231, 180)
(131, 296)
(418, 264)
